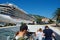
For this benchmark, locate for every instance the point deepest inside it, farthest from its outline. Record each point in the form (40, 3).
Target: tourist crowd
(24, 34)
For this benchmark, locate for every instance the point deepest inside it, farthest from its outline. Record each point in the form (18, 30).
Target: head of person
(46, 27)
(40, 29)
(23, 28)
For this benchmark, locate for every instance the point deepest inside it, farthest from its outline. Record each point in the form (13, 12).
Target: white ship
(10, 13)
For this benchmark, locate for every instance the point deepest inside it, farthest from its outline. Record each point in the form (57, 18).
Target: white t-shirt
(39, 35)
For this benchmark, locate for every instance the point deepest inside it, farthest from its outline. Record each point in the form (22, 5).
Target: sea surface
(8, 33)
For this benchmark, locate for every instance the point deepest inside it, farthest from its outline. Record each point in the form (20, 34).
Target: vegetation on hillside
(38, 18)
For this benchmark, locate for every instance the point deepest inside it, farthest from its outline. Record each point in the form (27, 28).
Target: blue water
(5, 32)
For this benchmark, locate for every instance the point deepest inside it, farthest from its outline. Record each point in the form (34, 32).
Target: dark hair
(17, 33)
(23, 27)
(40, 29)
(46, 27)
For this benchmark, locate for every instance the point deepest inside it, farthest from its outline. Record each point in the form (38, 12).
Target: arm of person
(53, 34)
(43, 35)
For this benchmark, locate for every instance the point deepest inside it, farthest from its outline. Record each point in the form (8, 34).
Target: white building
(45, 20)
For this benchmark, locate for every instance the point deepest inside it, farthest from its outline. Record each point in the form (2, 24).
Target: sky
(44, 8)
